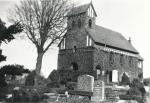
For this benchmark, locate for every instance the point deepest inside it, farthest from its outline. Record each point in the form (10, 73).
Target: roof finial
(129, 40)
(91, 1)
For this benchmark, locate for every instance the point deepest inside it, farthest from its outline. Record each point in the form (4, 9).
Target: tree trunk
(39, 63)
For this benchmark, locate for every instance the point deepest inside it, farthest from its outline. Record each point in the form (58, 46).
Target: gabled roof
(110, 38)
(81, 9)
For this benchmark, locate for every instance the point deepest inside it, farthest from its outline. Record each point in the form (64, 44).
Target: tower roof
(81, 9)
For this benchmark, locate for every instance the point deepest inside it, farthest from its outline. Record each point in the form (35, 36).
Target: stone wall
(120, 62)
(83, 57)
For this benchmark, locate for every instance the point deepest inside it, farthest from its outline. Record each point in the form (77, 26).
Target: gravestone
(85, 83)
(98, 91)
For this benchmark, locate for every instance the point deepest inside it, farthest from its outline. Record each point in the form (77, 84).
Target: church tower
(82, 17)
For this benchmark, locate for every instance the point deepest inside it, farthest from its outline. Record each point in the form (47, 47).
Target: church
(87, 48)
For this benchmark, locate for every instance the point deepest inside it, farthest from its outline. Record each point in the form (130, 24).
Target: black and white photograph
(74, 51)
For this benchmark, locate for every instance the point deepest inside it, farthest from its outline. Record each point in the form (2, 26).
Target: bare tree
(44, 23)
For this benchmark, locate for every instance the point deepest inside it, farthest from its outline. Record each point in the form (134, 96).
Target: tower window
(79, 23)
(88, 41)
(73, 24)
(74, 49)
(90, 23)
(63, 44)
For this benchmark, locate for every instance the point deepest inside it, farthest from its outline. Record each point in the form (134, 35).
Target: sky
(129, 17)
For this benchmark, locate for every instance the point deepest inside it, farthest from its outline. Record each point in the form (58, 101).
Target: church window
(140, 64)
(90, 23)
(75, 66)
(121, 60)
(79, 23)
(74, 49)
(111, 58)
(63, 44)
(90, 12)
(73, 23)
(130, 61)
(88, 41)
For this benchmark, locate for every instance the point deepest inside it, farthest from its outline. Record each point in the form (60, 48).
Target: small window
(90, 42)
(140, 64)
(73, 23)
(74, 49)
(79, 23)
(87, 40)
(130, 61)
(63, 44)
(90, 23)
(111, 58)
(75, 66)
(121, 60)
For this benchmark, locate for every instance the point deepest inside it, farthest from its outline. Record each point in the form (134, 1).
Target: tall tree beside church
(44, 22)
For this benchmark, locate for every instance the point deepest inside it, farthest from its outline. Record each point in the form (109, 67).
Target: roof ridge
(112, 38)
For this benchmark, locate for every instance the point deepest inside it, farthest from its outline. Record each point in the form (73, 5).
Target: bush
(3, 92)
(53, 85)
(137, 90)
(20, 96)
(125, 80)
(30, 79)
(134, 92)
(54, 76)
(71, 85)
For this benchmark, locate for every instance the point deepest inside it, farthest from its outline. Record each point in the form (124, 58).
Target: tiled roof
(80, 9)
(111, 38)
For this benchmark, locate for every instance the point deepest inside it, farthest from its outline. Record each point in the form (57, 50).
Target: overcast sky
(129, 17)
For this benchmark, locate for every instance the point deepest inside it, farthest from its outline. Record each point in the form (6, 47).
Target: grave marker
(98, 91)
(85, 83)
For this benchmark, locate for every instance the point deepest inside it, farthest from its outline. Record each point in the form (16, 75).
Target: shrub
(20, 96)
(125, 79)
(53, 85)
(54, 76)
(137, 90)
(30, 79)
(3, 92)
(134, 91)
(71, 85)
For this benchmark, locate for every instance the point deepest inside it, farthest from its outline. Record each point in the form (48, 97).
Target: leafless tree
(44, 23)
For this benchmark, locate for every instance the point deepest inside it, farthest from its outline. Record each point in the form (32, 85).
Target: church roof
(111, 38)
(80, 9)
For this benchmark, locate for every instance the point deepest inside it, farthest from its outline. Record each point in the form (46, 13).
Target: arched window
(130, 61)
(73, 23)
(75, 66)
(121, 59)
(74, 49)
(90, 23)
(98, 69)
(111, 58)
(79, 23)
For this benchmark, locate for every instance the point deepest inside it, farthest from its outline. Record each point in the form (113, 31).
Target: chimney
(129, 40)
